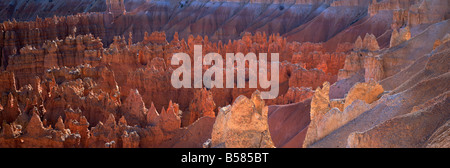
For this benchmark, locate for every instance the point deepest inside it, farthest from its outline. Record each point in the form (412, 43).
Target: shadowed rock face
(243, 125)
(314, 21)
(353, 73)
(288, 124)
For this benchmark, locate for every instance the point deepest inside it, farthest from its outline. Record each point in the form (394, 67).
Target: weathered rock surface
(406, 131)
(133, 109)
(288, 124)
(398, 37)
(440, 138)
(328, 115)
(242, 125)
(98, 74)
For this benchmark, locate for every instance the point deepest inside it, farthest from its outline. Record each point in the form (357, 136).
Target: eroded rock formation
(353, 73)
(243, 124)
(411, 113)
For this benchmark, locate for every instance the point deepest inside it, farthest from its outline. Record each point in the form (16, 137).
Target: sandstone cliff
(242, 125)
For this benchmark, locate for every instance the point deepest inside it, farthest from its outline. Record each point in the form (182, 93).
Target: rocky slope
(408, 113)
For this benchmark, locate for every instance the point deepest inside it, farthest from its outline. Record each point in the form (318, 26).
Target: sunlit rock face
(97, 74)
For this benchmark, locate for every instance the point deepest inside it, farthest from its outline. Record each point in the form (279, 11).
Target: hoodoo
(224, 74)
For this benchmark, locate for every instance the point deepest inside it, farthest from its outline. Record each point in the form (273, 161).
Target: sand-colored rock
(202, 105)
(353, 66)
(373, 68)
(242, 125)
(115, 7)
(368, 92)
(409, 130)
(440, 138)
(375, 6)
(409, 114)
(328, 115)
